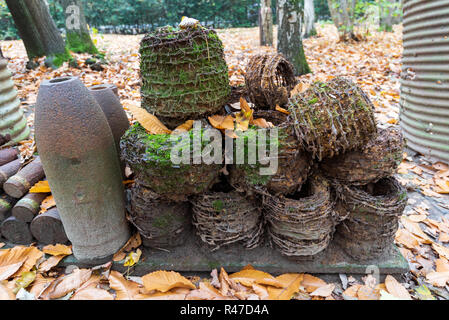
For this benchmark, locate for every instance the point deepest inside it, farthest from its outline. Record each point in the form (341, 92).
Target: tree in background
(389, 14)
(290, 22)
(343, 15)
(77, 34)
(309, 19)
(38, 32)
(266, 23)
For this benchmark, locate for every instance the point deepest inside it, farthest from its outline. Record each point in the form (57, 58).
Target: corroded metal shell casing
(12, 119)
(78, 153)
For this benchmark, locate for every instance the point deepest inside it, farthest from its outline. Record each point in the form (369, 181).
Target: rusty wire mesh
(269, 79)
(378, 159)
(372, 213)
(302, 225)
(162, 224)
(223, 218)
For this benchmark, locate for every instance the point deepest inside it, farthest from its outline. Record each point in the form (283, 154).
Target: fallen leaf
(300, 88)
(261, 291)
(28, 255)
(442, 265)
(438, 279)
(206, 292)
(290, 282)
(150, 122)
(2, 245)
(124, 289)
(134, 242)
(6, 293)
(50, 263)
(248, 277)
(40, 187)
(68, 283)
(352, 291)
(278, 108)
(40, 284)
(396, 289)
(311, 283)
(384, 295)
(368, 293)
(25, 279)
(48, 203)
(324, 291)
(222, 122)
(424, 293)
(185, 127)
(92, 294)
(444, 237)
(8, 270)
(415, 229)
(57, 250)
(442, 251)
(404, 237)
(262, 123)
(163, 281)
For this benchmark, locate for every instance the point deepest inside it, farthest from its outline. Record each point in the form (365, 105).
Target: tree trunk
(266, 23)
(309, 19)
(290, 20)
(38, 31)
(342, 12)
(388, 14)
(77, 37)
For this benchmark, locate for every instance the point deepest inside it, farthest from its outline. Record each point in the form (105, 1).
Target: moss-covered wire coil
(184, 73)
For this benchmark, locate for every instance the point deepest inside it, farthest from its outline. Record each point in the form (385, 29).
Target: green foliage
(8, 29)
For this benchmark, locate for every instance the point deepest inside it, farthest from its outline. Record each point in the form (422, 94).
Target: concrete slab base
(194, 257)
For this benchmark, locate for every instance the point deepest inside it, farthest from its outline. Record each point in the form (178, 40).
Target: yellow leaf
(244, 106)
(133, 258)
(28, 255)
(164, 281)
(133, 242)
(396, 289)
(222, 122)
(278, 108)
(393, 121)
(290, 282)
(57, 250)
(150, 122)
(48, 203)
(185, 127)
(25, 279)
(124, 289)
(352, 291)
(41, 187)
(405, 238)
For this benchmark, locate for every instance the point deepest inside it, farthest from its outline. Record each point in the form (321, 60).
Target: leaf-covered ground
(30, 273)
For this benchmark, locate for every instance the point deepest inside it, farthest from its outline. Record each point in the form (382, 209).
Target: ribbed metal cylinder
(12, 119)
(425, 77)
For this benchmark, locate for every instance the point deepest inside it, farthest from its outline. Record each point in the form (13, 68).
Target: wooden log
(19, 184)
(8, 155)
(28, 206)
(8, 170)
(47, 228)
(16, 231)
(6, 204)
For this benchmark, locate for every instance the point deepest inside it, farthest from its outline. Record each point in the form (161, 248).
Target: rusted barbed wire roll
(269, 79)
(149, 157)
(184, 73)
(332, 118)
(378, 159)
(302, 225)
(372, 213)
(223, 218)
(162, 224)
(293, 164)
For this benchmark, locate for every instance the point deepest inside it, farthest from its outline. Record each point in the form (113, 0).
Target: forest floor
(374, 64)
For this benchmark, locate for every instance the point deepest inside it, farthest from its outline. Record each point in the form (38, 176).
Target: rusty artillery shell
(79, 156)
(111, 86)
(8, 170)
(29, 206)
(19, 184)
(6, 204)
(8, 155)
(16, 231)
(47, 228)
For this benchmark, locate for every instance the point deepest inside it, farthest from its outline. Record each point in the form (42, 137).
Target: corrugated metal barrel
(12, 120)
(425, 77)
